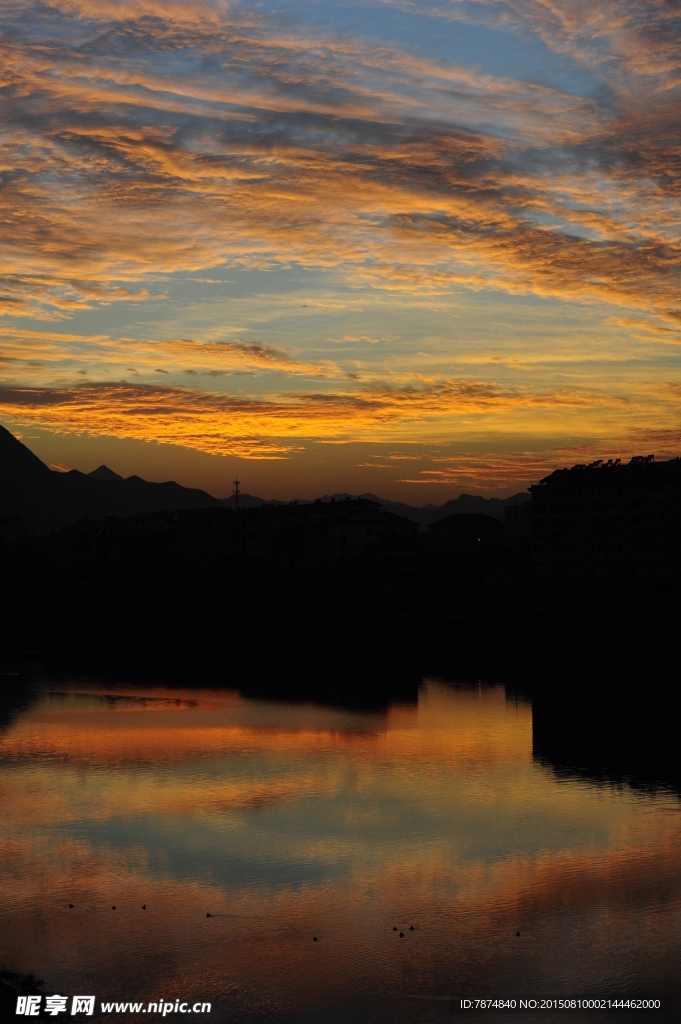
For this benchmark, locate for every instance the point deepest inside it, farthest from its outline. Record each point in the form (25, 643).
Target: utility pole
(236, 492)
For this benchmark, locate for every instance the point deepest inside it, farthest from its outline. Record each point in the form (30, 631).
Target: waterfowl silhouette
(144, 907)
(517, 935)
(394, 928)
(208, 915)
(314, 938)
(70, 906)
(411, 927)
(401, 935)
(113, 908)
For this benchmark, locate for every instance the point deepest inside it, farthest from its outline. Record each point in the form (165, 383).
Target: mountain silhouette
(49, 500)
(104, 473)
(465, 503)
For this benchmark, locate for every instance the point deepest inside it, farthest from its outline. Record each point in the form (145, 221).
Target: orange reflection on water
(164, 727)
(285, 822)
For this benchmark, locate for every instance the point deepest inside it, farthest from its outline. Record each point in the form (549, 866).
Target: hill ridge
(49, 500)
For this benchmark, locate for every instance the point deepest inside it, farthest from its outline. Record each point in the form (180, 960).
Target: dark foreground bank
(597, 658)
(345, 604)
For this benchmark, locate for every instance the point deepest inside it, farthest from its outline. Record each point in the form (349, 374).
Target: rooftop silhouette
(609, 517)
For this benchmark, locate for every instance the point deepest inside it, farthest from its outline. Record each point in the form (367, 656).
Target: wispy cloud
(138, 141)
(58, 355)
(275, 425)
(143, 140)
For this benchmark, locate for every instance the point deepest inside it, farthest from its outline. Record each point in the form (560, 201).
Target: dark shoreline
(598, 659)
(246, 619)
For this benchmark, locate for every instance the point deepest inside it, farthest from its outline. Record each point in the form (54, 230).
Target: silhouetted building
(306, 536)
(13, 530)
(463, 544)
(469, 529)
(608, 517)
(318, 533)
(518, 524)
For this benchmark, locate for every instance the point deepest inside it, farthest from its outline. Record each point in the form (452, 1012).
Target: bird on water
(113, 908)
(314, 938)
(517, 935)
(401, 935)
(208, 915)
(144, 907)
(70, 906)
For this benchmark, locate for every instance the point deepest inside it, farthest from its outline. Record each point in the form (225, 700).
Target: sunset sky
(389, 246)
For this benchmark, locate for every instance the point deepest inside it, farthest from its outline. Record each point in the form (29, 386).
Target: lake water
(285, 822)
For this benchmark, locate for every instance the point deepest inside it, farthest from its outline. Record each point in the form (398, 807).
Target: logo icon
(55, 1004)
(83, 1004)
(28, 1006)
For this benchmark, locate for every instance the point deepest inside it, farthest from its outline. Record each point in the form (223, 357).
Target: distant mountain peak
(104, 473)
(49, 500)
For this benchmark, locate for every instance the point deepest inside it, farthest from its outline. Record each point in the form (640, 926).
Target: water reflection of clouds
(436, 814)
(456, 773)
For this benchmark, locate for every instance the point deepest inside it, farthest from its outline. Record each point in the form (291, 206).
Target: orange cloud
(344, 171)
(396, 174)
(273, 425)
